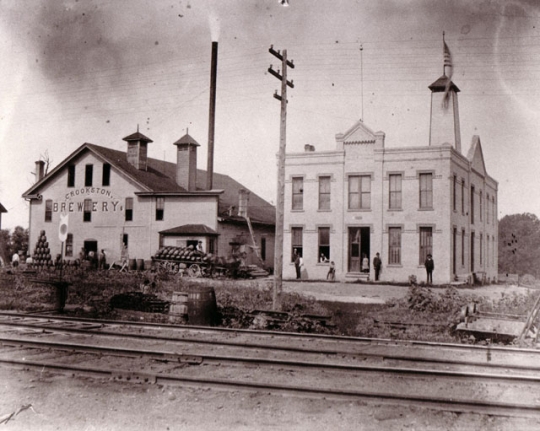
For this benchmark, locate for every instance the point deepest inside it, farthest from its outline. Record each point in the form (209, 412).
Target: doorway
(358, 246)
(90, 245)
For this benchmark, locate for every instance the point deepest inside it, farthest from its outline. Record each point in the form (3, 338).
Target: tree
(19, 240)
(519, 244)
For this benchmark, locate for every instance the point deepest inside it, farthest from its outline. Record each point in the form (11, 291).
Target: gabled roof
(359, 133)
(190, 229)
(440, 85)
(160, 177)
(476, 156)
(2, 209)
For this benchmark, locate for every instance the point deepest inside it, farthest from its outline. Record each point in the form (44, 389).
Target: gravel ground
(368, 293)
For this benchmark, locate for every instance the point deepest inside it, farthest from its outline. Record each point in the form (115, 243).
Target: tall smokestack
(211, 119)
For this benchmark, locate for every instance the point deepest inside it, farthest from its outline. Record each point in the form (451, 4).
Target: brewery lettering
(89, 191)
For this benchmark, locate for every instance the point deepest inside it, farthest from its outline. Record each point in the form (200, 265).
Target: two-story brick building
(114, 198)
(406, 202)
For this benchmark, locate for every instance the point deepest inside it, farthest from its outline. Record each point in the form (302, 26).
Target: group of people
(377, 265)
(97, 260)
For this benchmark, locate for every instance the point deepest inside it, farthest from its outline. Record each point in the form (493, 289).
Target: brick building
(404, 203)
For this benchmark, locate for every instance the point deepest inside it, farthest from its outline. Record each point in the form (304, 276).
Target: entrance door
(358, 246)
(90, 245)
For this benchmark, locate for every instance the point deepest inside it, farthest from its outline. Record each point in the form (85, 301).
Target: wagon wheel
(194, 270)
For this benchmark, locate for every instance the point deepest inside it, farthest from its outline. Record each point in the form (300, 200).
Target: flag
(447, 63)
(63, 227)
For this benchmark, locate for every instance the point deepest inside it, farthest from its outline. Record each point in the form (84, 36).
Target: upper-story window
(487, 208)
(88, 175)
(494, 210)
(298, 193)
(160, 208)
(87, 214)
(462, 197)
(395, 191)
(359, 192)
(454, 194)
(71, 176)
(106, 178)
(324, 193)
(129, 209)
(472, 204)
(48, 209)
(480, 205)
(426, 190)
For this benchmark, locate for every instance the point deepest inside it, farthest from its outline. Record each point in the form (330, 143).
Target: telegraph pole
(280, 206)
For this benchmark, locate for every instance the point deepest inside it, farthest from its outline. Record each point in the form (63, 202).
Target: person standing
(331, 272)
(430, 266)
(365, 263)
(377, 263)
(15, 260)
(297, 264)
(102, 259)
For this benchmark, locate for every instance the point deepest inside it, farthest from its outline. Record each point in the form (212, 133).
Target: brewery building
(127, 203)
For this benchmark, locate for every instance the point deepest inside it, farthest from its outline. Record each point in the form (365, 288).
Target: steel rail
(274, 334)
(171, 356)
(479, 407)
(244, 345)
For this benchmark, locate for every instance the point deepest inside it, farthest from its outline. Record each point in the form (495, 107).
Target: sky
(95, 70)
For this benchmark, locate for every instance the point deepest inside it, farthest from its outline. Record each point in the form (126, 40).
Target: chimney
(243, 202)
(186, 162)
(40, 170)
(137, 152)
(211, 118)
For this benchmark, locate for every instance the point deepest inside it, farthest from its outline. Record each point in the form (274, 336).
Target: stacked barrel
(42, 253)
(182, 254)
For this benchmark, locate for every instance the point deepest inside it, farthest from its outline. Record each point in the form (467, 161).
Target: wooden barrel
(140, 264)
(178, 310)
(132, 264)
(202, 306)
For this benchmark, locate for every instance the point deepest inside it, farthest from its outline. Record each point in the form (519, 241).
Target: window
(88, 175)
(480, 205)
(71, 176)
(455, 192)
(324, 244)
(360, 192)
(69, 245)
(297, 193)
(481, 247)
(106, 179)
(426, 190)
(395, 191)
(48, 210)
(426, 243)
(472, 204)
(462, 247)
(462, 197)
(394, 246)
(87, 214)
(129, 209)
(160, 208)
(487, 209)
(494, 210)
(263, 248)
(296, 242)
(487, 250)
(324, 193)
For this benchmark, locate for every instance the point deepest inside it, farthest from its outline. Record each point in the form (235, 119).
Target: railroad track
(448, 377)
